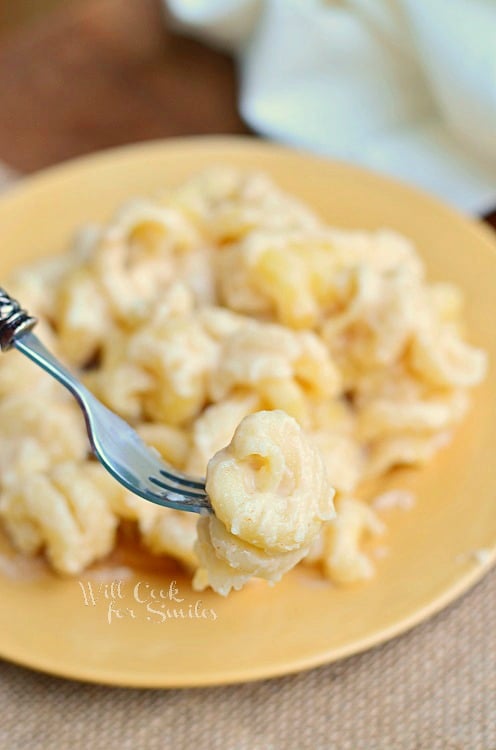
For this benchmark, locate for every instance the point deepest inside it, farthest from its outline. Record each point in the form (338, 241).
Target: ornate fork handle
(14, 321)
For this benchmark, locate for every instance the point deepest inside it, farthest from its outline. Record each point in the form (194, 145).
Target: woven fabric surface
(432, 689)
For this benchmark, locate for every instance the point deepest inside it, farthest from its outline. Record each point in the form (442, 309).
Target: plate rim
(235, 676)
(248, 142)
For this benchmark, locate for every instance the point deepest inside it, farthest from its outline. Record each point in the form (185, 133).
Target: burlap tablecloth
(432, 689)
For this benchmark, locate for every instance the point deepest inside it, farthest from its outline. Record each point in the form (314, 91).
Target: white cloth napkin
(407, 87)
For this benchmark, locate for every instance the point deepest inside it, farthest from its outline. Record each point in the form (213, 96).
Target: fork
(115, 444)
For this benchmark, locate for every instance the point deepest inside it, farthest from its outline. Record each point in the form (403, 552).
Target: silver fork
(115, 444)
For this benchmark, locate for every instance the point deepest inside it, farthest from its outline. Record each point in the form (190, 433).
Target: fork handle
(15, 332)
(14, 321)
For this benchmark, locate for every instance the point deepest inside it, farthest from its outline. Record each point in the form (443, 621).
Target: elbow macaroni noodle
(246, 340)
(270, 494)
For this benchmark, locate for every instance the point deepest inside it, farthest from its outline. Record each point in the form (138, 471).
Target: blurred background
(17, 12)
(401, 87)
(82, 75)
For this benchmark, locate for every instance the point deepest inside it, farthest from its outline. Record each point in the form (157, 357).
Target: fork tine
(177, 502)
(178, 490)
(183, 479)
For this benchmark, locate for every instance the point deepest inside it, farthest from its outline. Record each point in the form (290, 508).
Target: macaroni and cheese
(248, 341)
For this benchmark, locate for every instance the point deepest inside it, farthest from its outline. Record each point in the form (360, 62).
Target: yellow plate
(53, 625)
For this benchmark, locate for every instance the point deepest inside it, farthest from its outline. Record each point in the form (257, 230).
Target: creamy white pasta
(270, 494)
(235, 330)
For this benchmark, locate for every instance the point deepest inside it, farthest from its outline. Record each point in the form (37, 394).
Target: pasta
(270, 495)
(65, 511)
(247, 340)
(342, 557)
